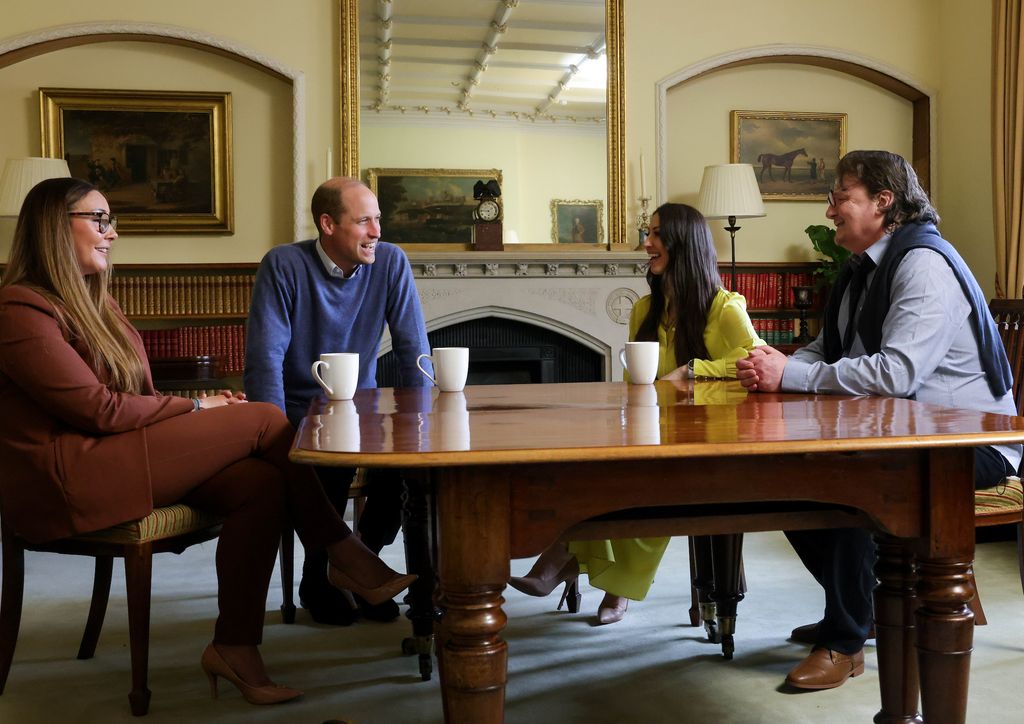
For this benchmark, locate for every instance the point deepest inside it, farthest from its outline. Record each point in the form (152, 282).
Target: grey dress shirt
(929, 352)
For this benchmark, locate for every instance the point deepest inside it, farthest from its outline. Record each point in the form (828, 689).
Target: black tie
(862, 268)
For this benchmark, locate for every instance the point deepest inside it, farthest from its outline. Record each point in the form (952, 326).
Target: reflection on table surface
(514, 423)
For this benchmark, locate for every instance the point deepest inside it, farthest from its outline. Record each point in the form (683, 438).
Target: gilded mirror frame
(348, 95)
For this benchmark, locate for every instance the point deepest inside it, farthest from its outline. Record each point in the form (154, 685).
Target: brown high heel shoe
(377, 595)
(612, 609)
(214, 665)
(540, 587)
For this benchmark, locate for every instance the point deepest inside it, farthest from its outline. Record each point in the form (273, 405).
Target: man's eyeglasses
(831, 198)
(103, 221)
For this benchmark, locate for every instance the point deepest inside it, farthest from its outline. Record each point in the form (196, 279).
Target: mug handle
(315, 369)
(425, 374)
(622, 357)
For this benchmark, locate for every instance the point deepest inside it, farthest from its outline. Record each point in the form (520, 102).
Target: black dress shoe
(383, 612)
(808, 633)
(326, 604)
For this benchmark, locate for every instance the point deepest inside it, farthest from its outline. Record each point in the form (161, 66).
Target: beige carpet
(651, 667)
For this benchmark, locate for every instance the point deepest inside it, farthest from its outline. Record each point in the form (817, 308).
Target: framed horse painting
(794, 155)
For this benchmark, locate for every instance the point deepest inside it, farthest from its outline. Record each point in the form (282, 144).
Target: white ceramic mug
(451, 366)
(340, 372)
(641, 361)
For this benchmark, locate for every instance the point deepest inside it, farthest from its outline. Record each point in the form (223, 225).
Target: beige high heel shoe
(611, 610)
(214, 665)
(384, 592)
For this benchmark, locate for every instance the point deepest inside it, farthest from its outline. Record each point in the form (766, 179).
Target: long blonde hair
(43, 258)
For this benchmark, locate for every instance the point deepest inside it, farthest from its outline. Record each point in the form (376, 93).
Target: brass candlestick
(643, 222)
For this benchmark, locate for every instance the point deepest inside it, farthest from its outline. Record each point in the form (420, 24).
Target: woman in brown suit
(86, 442)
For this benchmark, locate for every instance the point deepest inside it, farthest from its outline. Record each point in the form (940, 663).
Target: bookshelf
(192, 321)
(768, 289)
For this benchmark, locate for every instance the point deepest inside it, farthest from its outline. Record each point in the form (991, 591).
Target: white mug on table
(340, 374)
(641, 361)
(451, 366)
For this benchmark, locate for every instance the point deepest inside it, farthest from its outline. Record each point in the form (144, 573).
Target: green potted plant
(823, 239)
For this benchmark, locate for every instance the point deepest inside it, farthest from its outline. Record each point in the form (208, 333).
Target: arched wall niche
(865, 69)
(14, 50)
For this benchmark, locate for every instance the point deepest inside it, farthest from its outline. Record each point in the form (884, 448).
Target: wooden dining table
(513, 468)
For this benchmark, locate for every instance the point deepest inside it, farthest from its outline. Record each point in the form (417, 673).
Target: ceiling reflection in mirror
(524, 61)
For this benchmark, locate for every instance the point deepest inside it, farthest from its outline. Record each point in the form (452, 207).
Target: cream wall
(301, 36)
(943, 47)
(537, 165)
(699, 133)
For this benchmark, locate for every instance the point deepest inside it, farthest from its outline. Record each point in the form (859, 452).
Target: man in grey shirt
(906, 318)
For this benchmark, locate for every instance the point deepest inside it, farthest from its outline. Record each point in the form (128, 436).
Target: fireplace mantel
(584, 295)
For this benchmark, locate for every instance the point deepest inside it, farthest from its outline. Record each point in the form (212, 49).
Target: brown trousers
(233, 461)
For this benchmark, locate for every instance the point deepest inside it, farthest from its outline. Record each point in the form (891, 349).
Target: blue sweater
(299, 312)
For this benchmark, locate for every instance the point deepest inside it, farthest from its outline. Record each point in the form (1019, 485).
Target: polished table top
(500, 424)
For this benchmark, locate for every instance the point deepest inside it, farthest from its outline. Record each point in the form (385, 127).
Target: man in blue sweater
(906, 318)
(335, 294)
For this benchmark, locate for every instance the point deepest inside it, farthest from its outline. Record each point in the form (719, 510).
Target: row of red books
(769, 290)
(164, 296)
(227, 342)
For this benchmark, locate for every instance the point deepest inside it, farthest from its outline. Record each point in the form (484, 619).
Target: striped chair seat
(1004, 498)
(165, 522)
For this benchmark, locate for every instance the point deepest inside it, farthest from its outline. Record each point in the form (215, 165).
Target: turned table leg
(894, 623)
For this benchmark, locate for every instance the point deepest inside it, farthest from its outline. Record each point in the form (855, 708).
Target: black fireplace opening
(506, 351)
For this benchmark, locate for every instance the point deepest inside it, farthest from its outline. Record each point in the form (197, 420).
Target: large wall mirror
(533, 89)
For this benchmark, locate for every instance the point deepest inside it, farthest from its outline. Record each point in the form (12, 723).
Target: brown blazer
(73, 454)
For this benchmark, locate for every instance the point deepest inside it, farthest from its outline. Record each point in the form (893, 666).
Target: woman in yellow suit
(702, 330)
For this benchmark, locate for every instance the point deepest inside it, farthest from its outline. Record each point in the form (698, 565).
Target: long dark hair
(690, 280)
(43, 258)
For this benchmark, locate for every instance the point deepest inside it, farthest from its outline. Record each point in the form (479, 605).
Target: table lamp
(730, 191)
(21, 174)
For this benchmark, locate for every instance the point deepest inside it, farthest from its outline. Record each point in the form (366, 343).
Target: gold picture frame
(162, 158)
(782, 146)
(574, 221)
(428, 208)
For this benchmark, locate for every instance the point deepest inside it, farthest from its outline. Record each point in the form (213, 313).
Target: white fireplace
(585, 296)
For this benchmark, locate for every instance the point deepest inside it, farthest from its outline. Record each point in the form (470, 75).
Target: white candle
(330, 162)
(643, 175)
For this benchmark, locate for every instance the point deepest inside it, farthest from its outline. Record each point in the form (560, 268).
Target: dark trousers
(233, 461)
(381, 518)
(842, 561)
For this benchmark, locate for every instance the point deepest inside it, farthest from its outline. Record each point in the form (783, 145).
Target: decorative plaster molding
(619, 304)
(134, 31)
(583, 300)
(764, 51)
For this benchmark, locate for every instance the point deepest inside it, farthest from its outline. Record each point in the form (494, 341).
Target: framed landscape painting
(162, 158)
(794, 155)
(428, 205)
(577, 222)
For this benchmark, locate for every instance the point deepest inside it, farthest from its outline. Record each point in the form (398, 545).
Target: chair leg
(286, 554)
(694, 611)
(10, 602)
(98, 607)
(138, 574)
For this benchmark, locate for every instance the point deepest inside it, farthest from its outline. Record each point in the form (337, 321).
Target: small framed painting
(428, 205)
(577, 222)
(794, 155)
(162, 158)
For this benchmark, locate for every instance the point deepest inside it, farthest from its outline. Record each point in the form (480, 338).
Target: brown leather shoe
(808, 634)
(826, 669)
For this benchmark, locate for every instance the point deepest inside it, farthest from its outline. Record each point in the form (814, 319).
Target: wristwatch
(689, 366)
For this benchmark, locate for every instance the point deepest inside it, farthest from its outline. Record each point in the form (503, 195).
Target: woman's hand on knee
(224, 397)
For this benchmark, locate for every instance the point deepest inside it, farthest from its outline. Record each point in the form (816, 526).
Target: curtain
(1008, 147)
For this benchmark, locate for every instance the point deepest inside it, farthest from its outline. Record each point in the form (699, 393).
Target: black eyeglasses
(831, 198)
(103, 221)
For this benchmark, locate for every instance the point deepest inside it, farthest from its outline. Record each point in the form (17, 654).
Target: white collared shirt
(333, 269)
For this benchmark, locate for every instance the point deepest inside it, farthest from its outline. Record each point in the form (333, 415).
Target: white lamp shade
(21, 174)
(730, 189)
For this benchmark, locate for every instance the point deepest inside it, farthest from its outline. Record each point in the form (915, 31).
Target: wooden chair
(173, 528)
(1004, 504)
